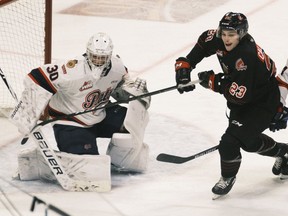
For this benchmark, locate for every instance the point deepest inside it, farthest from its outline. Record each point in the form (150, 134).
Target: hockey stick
(8, 86)
(179, 160)
(132, 98)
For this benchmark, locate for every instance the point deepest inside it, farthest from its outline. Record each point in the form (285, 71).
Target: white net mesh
(22, 45)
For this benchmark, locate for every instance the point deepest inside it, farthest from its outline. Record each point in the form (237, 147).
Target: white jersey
(283, 84)
(75, 89)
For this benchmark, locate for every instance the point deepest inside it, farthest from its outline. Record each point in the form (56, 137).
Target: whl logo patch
(86, 85)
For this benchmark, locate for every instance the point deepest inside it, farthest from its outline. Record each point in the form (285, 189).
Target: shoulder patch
(71, 63)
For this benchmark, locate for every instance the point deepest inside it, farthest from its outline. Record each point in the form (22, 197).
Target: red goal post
(25, 43)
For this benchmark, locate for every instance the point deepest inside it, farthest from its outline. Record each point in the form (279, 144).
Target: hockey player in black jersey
(248, 84)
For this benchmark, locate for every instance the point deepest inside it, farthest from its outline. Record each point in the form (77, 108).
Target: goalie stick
(7, 84)
(168, 158)
(24, 140)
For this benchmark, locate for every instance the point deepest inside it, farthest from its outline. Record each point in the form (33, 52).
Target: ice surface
(179, 124)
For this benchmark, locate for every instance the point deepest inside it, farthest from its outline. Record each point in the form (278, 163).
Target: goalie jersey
(75, 88)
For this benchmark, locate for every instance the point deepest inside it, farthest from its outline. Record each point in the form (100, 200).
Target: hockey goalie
(67, 151)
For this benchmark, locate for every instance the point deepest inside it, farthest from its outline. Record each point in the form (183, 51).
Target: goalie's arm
(42, 79)
(283, 85)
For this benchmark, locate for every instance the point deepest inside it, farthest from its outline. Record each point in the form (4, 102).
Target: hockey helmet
(233, 21)
(99, 51)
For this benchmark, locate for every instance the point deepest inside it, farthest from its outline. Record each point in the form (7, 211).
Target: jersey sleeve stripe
(39, 77)
(282, 83)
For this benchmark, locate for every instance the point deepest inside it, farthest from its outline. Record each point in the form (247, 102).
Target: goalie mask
(98, 53)
(233, 21)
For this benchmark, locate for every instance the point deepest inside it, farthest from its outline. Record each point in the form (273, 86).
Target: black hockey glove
(211, 80)
(280, 119)
(183, 70)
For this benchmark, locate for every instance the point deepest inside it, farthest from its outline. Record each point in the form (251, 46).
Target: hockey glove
(136, 88)
(280, 119)
(183, 70)
(211, 80)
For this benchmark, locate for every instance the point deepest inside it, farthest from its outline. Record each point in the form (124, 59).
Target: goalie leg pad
(32, 166)
(136, 120)
(126, 154)
(88, 170)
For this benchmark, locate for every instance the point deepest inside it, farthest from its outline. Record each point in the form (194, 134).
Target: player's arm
(282, 79)
(205, 46)
(280, 119)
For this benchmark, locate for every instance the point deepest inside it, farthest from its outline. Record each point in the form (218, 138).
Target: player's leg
(75, 140)
(230, 161)
(244, 130)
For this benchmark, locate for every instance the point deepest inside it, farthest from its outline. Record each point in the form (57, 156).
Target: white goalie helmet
(99, 51)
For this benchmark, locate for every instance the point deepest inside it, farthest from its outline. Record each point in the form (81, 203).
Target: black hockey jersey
(249, 71)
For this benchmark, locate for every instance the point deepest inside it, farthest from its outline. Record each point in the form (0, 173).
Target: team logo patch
(86, 85)
(240, 65)
(71, 63)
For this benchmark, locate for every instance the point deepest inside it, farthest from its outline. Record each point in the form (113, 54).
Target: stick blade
(170, 158)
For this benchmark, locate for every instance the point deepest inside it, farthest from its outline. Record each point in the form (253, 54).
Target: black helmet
(233, 21)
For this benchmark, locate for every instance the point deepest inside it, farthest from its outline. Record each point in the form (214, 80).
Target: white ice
(179, 124)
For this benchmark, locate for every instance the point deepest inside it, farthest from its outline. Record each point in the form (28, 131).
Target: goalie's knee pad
(126, 154)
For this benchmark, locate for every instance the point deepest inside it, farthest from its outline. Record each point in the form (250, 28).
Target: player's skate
(279, 163)
(284, 173)
(281, 167)
(223, 186)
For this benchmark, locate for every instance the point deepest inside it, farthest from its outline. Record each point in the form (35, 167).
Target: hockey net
(25, 43)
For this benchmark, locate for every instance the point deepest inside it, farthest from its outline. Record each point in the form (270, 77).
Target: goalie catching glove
(136, 88)
(183, 70)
